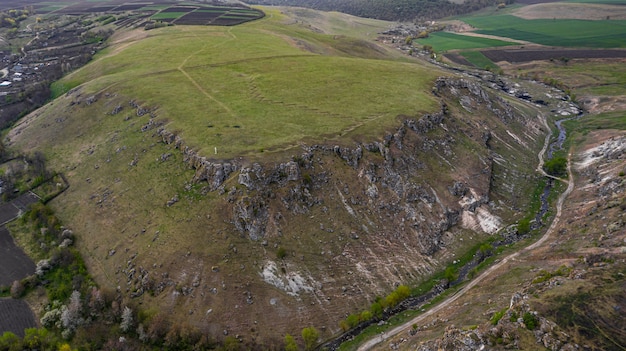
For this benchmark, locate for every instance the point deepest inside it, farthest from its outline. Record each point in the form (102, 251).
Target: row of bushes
(377, 308)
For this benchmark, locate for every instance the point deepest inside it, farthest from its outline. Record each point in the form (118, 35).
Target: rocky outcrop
(504, 331)
(387, 172)
(471, 95)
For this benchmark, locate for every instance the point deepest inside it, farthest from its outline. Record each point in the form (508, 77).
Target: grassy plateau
(252, 87)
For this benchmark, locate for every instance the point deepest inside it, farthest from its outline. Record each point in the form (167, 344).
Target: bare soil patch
(458, 59)
(564, 10)
(601, 104)
(15, 316)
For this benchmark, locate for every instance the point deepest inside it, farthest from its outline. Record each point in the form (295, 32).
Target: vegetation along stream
(509, 236)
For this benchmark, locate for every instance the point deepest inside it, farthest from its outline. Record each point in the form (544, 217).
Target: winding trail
(196, 84)
(491, 270)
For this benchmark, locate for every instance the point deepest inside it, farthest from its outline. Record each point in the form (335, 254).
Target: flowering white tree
(127, 320)
(71, 314)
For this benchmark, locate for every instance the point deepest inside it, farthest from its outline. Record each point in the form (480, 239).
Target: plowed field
(14, 264)
(15, 316)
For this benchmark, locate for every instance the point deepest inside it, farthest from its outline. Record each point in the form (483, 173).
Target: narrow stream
(555, 146)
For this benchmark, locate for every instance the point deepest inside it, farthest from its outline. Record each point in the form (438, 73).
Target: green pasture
(444, 41)
(594, 78)
(607, 120)
(246, 88)
(553, 32)
(579, 129)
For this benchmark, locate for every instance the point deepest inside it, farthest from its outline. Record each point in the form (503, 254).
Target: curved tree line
(390, 10)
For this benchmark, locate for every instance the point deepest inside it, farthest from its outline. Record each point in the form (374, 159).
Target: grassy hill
(266, 177)
(220, 86)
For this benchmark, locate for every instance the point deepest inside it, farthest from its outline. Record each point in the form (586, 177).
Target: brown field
(226, 15)
(563, 10)
(16, 4)
(527, 55)
(458, 59)
(15, 316)
(14, 264)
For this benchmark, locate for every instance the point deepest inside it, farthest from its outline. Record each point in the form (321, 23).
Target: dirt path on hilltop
(559, 205)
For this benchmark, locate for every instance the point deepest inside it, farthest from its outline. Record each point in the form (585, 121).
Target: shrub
(450, 274)
(497, 316)
(365, 316)
(523, 226)
(530, 321)
(353, 320)
(310, 336)
(17, 289)
(281, 253)
(290, 343)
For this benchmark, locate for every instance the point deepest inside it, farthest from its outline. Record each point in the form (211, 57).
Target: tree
(310, 336)
(71, 314)
(127, 320)
(290, 343)
(376, 309)
(556, 167)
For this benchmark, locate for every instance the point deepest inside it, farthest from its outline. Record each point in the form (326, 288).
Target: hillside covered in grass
(255, 180)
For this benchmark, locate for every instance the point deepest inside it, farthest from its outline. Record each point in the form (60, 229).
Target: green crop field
(553, 32)
(168, 15)
(608, 2)
(247, 88)
(478, 59)
(444, 41)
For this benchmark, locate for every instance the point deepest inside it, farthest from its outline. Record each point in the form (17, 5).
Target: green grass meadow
(248, 88)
